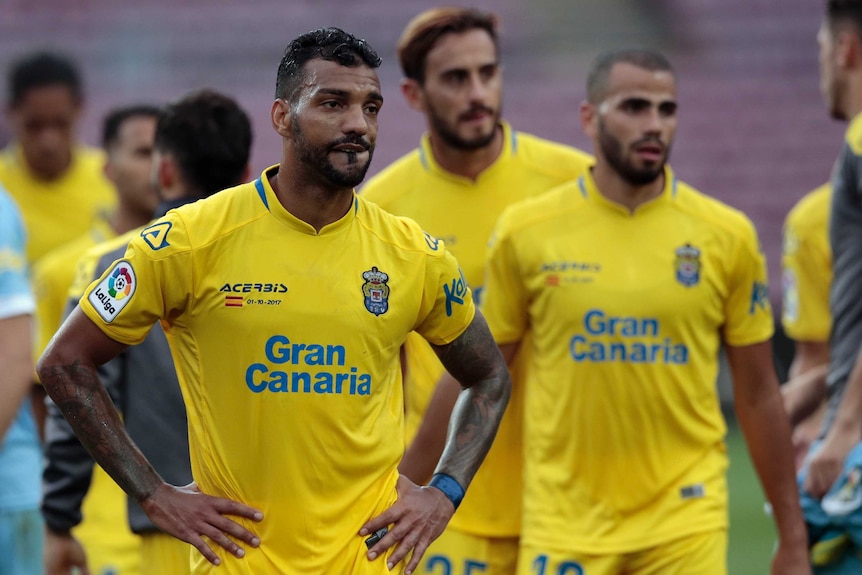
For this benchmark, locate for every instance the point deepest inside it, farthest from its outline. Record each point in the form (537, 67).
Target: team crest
(687, 265)
(376, 291)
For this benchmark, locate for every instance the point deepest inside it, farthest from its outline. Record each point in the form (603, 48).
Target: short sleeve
(806, 273)
(447, 304)
(748, 313)
(504, 300)
(151, 282)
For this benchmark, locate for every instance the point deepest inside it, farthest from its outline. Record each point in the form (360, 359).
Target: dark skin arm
(67, 370)
(422, 455)
(421, 513)
(764, 424)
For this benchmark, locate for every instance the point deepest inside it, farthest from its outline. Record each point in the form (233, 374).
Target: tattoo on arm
(87, 407)
(476, 362)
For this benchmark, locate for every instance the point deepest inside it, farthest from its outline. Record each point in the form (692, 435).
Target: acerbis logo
(248, 287)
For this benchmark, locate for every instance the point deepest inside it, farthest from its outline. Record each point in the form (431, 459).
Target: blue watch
(449, 486)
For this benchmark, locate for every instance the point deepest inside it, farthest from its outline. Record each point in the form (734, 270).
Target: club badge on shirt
(376, 291)
(687, 265)
(116, 289)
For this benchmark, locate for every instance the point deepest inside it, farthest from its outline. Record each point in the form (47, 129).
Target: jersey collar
(268, 198)
(590, 192)
(429, 162)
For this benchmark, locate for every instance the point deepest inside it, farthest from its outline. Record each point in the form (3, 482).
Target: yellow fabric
(58, 211)
(53, 278)
(463, 212)
(162, 554)
(701, 554)
(623, 432)
(286, 343)
(806, 262)
(853, 135)
(112, 549)
(459, 553)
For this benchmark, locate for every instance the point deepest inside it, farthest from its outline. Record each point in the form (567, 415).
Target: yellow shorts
(162, 553)
(112, 549)
(700, 554)
(459, 553)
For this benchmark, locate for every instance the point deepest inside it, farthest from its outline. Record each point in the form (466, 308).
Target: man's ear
(847, 49)
(589, 119)
(280, 115)
(414, 94)
(167, 172)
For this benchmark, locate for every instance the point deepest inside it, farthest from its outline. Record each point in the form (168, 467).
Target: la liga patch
(116, 289)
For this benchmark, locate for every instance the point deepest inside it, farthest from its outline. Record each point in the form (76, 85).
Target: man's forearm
(86, 405)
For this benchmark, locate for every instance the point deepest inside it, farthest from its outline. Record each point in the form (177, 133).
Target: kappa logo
(455, 292)
(687, 265)
(156, 235)
(114, 291)
(376, 291)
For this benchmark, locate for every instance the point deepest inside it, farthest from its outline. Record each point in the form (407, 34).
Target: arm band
(450, 488)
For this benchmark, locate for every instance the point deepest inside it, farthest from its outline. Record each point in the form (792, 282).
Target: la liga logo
(120, 283)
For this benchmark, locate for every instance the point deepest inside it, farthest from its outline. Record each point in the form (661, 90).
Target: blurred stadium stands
(753, 129)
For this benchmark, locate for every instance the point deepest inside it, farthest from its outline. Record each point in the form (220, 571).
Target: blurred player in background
(832, 481)
(21, 536)
(285, 302)
(629, 281)
(469, 166)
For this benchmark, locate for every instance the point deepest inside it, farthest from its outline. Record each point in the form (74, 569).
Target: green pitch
(752, 534)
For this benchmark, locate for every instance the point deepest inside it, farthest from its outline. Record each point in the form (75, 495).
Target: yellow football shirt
(462, 212)
(58, 211)
(287, 343)
(806, 262)
(623, 430)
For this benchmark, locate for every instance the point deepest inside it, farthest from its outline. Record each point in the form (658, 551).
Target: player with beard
(624, 285)
(469, 166)
(285, 302)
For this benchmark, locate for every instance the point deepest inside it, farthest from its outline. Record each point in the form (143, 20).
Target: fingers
(236, 530)
(385, 519)
(204, 549)
(418, 553)
(218, 536)
(230, 507)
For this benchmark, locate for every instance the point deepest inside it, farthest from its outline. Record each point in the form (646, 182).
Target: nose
(355, 121)
(653, 124)
(478, 88)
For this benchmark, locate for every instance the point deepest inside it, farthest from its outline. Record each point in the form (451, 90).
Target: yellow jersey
(806, 262)
(58, 211)
(462, 212)
(623, 433)
(286, 343)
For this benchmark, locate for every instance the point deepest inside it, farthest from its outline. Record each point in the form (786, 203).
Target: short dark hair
(424, 30)
(39, 70)
(117, 117)
(845, 11)
(600, 71)
(209, 136)
(333, 44)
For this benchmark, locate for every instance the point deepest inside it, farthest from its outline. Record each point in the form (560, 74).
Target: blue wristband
(450, 488)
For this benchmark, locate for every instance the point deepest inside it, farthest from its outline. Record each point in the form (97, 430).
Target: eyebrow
(377, 96)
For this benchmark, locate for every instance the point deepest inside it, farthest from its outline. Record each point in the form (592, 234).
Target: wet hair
(332, 44)
(40, 70)
(844, 12)
(209, 136)
(423, 32)
(600, 71)
(115, 119)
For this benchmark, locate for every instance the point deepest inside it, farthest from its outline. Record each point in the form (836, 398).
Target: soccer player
(58, 183)
(285, 302)
(98, 535)
(21, 537)
(831, 483)
(469, 166)
(627, 282)
(200, 130)
(807, 272)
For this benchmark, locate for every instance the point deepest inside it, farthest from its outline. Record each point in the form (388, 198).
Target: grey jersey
(845, 236)
(143, 383)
